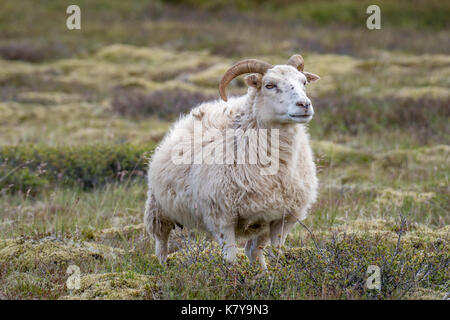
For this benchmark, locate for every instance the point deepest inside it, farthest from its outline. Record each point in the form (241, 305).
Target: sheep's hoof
(229, 253)
(230, 258)
(162, 260)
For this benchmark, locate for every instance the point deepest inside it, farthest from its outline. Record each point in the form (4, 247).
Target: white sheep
(236, 199)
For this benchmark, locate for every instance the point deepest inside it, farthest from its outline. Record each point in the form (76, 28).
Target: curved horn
(297, 62)
(244, 66)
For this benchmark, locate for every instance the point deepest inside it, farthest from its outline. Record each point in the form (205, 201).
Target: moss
(371, 224)
(28, 285)
(392, 197)
(105, 251)
(414, 235)
(425, 294)
(437, 155)
(100, 75)
(122, 53)
(428, 61)
(13, 70)
(25, 255)
(331, 64)
(211, 76)
(417, 93)
(338, 154)
(138, 83)
(116, 233)
(131, 66)
(115, 286)
(46, 98)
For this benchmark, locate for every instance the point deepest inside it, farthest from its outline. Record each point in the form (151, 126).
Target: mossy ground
(73, 155)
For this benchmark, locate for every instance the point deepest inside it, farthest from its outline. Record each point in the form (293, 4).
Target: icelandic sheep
(237, 199)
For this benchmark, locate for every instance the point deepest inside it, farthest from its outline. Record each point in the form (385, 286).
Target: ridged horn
(242, 67)
(297, 62)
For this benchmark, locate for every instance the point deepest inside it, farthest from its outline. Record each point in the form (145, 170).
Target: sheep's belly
(267, 216)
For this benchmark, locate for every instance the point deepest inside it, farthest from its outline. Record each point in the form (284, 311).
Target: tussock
(115, 286)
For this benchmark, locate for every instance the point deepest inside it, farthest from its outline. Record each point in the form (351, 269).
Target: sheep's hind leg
(158, 227)
(162, 244)
(254, 249)
(279, 230)
(227, 239)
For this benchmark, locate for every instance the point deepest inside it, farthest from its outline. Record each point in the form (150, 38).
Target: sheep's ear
(311, 76)
(254, 80)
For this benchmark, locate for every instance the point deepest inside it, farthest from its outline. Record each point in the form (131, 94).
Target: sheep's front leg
(254, 249)
(227, 240)
(279, 230)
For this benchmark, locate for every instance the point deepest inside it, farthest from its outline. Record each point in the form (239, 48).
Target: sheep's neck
(287, 133)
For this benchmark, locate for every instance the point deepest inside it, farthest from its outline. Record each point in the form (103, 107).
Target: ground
(82, 111)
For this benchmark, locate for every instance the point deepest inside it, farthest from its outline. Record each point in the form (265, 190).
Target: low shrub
(425, 118)
(166, 104)
(334, 267)
(31, 52)
(30, 168)
(22, 51)
(20, 179)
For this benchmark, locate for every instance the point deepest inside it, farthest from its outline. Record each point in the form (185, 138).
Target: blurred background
(82, 110)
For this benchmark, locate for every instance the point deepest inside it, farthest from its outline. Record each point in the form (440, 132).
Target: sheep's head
(281, 89)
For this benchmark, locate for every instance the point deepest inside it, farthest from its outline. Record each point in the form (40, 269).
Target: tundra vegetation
(81, 112)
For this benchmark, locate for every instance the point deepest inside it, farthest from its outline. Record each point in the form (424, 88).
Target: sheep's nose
(303, 104)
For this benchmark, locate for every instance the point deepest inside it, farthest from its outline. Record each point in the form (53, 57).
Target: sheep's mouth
(301, 116)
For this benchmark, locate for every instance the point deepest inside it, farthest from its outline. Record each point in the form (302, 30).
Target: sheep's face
(281, 95)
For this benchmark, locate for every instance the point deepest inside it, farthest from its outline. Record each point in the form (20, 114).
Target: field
(81, 112)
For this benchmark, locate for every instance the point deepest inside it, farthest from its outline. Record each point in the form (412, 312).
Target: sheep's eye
(270, 86)
(304, 83)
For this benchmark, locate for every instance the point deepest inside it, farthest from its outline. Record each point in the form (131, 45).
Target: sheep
(232, 200)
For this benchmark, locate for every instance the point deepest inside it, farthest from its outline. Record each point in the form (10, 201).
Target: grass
(81, 111)
(330, 265)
